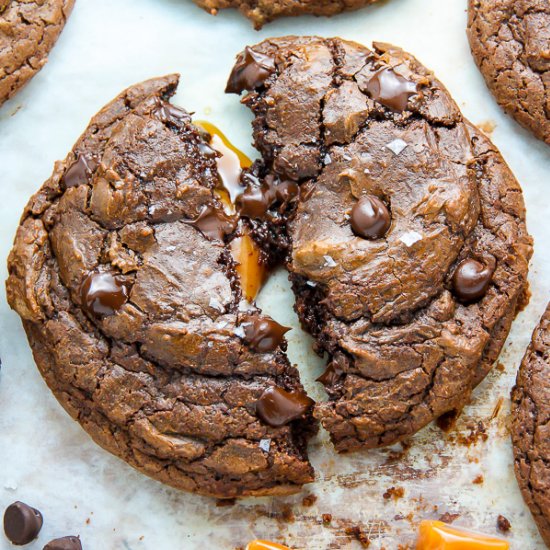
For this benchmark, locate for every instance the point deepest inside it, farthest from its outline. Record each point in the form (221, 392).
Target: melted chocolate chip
(22, 523)
(253, 203)
(64, 543)
(103, 293)
(170, 113)
(79, 172)
(391, 89)
(278, 407)
(250, 71)
(263, 334)
(370, 218)
(214, 223)
(471, 280)
(331, 375)
(258, 198)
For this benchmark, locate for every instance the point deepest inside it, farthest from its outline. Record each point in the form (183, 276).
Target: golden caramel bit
(265, 545)
(436, 535)
(250, 269)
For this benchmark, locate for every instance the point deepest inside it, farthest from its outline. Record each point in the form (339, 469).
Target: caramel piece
(436, 535)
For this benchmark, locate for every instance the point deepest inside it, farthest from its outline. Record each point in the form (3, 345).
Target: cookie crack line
(405, 343)
(167, 385)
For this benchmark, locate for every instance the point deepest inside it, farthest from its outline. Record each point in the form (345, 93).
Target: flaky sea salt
(265, 445)
(239, 331)
(410, 238)
(327, 159)
(311, 283)
(396, 146)
(329, 261)
(215, 304)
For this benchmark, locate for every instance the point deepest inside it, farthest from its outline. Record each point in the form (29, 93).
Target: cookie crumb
(503, 524)
(327, 519)
(478, 480)
(394, 492)
(309, 500)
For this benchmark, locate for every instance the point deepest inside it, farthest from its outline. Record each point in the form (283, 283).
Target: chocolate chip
(471, 280)
(64, 543)
(370, 218)
(250, 71)
(258, 198)
(103, 293)
(79, 172)
(22, 523)
(214, 223)
(263, 334)
(331, 375)
(171, 113)
(278, 407)
(391, 89)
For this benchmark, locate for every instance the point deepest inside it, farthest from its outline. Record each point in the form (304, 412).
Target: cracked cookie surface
(531, 426)
(413, 312)
(28, 31)
(510, 42)
(122, 274)
(261, 12)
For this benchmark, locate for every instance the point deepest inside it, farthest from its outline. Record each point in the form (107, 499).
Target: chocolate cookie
(510, 41)
(531, 426)
(28, 31)
(122, 273)
(408, 250)
(263, 11)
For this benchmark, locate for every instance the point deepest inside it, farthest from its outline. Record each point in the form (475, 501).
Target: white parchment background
(49, 462)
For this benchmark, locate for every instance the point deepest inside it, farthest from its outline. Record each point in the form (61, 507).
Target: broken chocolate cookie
(406, 245)
(123, 275)
(510, 42)
(531, 426)
(263, 11)
(28, 31)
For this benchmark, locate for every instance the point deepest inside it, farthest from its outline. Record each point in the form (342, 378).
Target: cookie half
(407, 248)
(510, 42)
(263, 11)
(28, 31)
(122, 273)
(531, 426)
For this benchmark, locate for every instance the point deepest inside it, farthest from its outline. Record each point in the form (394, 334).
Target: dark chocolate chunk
(258, 198)
(278, 407)
(331, 375)
(64, 543)
(370, 218)
(103, 293)
(22, 523)
(79, 172)
(391, 89)
(250, 71)
(263, 334)
(471, 280)
(214, 223)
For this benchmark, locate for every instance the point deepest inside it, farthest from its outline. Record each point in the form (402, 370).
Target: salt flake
(410, 238)
(215, 304)
(265, 445)
(329, 261)
(397, 145)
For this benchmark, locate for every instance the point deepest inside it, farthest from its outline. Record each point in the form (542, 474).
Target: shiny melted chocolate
(214, 223)
(278, 407)
(370, 218)
(103, 293)
(391, 89)
(263, 334)
(79, 172)
(258, 197)
(250, 71)
(471, 280)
